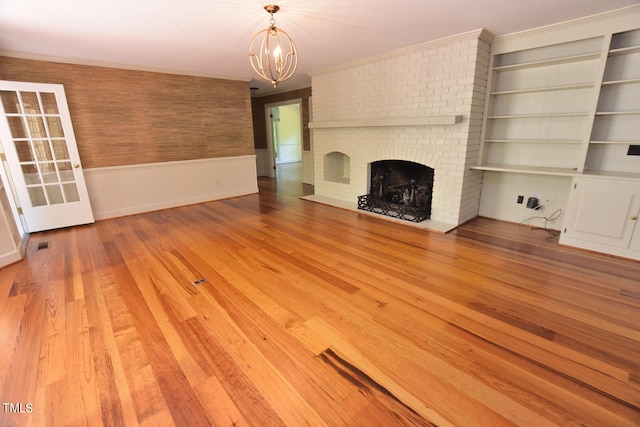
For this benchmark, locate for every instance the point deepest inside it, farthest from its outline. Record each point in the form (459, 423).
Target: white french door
(37, 138)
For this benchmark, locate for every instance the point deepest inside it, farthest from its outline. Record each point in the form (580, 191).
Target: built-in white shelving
(565, 115)
(538, 108)
(616, 123)
(565, 109)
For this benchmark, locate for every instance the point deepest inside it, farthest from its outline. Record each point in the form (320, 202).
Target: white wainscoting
(264, 163)
(10, 258)
(126, 190)
(11, 246)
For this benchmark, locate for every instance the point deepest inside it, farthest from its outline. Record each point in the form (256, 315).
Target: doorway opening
(286, 133)
(284, 139)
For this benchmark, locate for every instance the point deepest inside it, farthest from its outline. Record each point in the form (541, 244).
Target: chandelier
(272, 53)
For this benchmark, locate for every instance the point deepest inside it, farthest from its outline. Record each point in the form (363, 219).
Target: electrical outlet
(634, 150)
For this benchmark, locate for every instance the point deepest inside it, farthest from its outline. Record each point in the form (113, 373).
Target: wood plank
(161, 367)
(356, 358)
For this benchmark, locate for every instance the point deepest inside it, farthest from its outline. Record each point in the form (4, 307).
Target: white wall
(500, 197)
(264, 167)
(126, 190)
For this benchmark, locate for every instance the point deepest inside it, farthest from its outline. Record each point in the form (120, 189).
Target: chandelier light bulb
(277, 56)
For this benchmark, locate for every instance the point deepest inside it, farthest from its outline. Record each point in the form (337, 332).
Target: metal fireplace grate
(395, 210)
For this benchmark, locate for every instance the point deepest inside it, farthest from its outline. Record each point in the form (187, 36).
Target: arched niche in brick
(337, 167)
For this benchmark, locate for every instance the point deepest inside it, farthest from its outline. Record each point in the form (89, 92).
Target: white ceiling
(210, 37)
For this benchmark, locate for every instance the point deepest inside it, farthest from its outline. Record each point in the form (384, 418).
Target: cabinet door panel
(602, 212)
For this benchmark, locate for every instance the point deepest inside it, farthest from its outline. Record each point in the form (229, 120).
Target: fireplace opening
(399, 189)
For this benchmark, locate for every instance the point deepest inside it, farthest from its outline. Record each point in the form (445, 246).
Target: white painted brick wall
(447, 78)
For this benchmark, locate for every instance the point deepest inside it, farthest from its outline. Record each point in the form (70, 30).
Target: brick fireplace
(422, 104)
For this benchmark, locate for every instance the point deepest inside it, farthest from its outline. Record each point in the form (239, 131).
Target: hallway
(289, 172)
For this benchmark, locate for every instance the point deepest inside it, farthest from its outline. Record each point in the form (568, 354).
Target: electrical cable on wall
(554, 216)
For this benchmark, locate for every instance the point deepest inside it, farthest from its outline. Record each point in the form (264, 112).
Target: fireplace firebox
(399, 189)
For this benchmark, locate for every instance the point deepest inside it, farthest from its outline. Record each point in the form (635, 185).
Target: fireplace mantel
(439, 120)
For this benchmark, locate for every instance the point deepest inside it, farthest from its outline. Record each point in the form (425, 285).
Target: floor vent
(42, 245)
(199, 281)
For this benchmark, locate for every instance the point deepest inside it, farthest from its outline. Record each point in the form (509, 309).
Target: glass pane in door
(30, 173)
(71, 192)
(18, 129)
(36, 127)
(55, 127)
(54, 194)
(49, 103)
(60, 149)
(10, 102)
(30, 102)
(49, 174)
(65, 171)
(42, 150)
(36, 194)
(24, 151)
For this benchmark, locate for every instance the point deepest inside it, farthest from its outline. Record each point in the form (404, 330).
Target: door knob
(76, 165)
(633, 218)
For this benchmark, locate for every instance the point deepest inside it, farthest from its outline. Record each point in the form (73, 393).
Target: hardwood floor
(308, 315)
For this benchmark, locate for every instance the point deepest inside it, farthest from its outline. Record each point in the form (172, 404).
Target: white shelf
(444, 120)
(543, 89)
(531, 170)
(535, 141)
(537, 116)
(616, 113)
(620, 82)
(634, 176)
(624, 50)
(547, 62)
(616, 142)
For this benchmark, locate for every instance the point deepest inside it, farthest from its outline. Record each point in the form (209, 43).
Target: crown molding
(104, 64)
(480, 33)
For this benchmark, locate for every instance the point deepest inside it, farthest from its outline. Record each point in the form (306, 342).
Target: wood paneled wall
(259, 125)
(123, 117)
